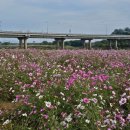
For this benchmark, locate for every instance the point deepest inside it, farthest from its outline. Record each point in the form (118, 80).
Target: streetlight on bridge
(46, 26)
(0, 25)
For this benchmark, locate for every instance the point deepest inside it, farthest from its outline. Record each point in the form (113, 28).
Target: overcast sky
(79, 16)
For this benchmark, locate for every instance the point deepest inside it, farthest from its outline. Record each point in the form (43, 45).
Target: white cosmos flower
(78, 106)
(96, 88)
(24, 90)
(68, 118)
(63, 123)
(40, 97)
(6, 122)
(10, 89)
(95, 95)
(24, 114)
(103, 126)
(13, 56)
(58, 103)
(82, 107)
(113, 92)
(100, 97)
(113, 121)
(38, 94)
(62, 93)
(13, 91)
(128, 97)
(128, 117)
(111, 97)
(87, 121)
(48, 104)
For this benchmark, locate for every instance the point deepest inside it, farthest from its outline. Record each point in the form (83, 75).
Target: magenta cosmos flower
(86, 100)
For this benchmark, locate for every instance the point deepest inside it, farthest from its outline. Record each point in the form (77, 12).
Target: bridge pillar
(59, 43)
(83, 43)
(116, 45)
(110, 44)
(25, 43)
(20, 42)
(62, 44)
(89, 44)
(86, 46)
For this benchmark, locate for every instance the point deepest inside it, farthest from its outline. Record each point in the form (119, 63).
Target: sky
(64, 16)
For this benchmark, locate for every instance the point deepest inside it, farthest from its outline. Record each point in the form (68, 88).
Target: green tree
(122, 43)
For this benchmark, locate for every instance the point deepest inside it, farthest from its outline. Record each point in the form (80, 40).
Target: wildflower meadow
(64, 89)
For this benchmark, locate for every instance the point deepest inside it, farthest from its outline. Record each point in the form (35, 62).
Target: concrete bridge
(60, 37)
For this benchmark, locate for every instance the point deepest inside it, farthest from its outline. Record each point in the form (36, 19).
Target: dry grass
(8, 107)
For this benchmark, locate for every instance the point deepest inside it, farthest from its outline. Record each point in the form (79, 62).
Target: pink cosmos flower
(110, 88)
(122, 101)
(128, 117)
(18, 97)
(41, 110)
(45, 116)
(1, 112)
(102, 77)
(86, 100)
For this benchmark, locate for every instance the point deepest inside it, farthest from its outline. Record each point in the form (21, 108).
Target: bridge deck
(13, 34)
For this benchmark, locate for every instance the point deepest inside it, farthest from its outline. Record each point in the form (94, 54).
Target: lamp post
(70, 30)
(46, 24)
(106, 29)
(0, 25)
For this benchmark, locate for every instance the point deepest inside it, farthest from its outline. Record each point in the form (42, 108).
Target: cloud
(81, 15)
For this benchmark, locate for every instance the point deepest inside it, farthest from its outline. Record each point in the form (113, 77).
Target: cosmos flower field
(64, 89)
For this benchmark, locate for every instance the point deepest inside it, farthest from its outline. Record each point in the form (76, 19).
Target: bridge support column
(62, 44)
(110, 43)
(25, 43)
(116, 45)
(83, 43)
(59, 43)
(20, 42)
(89, 44)
(86, 46)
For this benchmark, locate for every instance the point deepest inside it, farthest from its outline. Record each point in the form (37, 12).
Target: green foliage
(74, 43)
(125, 31)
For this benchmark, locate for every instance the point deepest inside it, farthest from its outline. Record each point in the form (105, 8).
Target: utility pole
(70, 30)
(106, 29)
(0, 25)
(46, 26)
